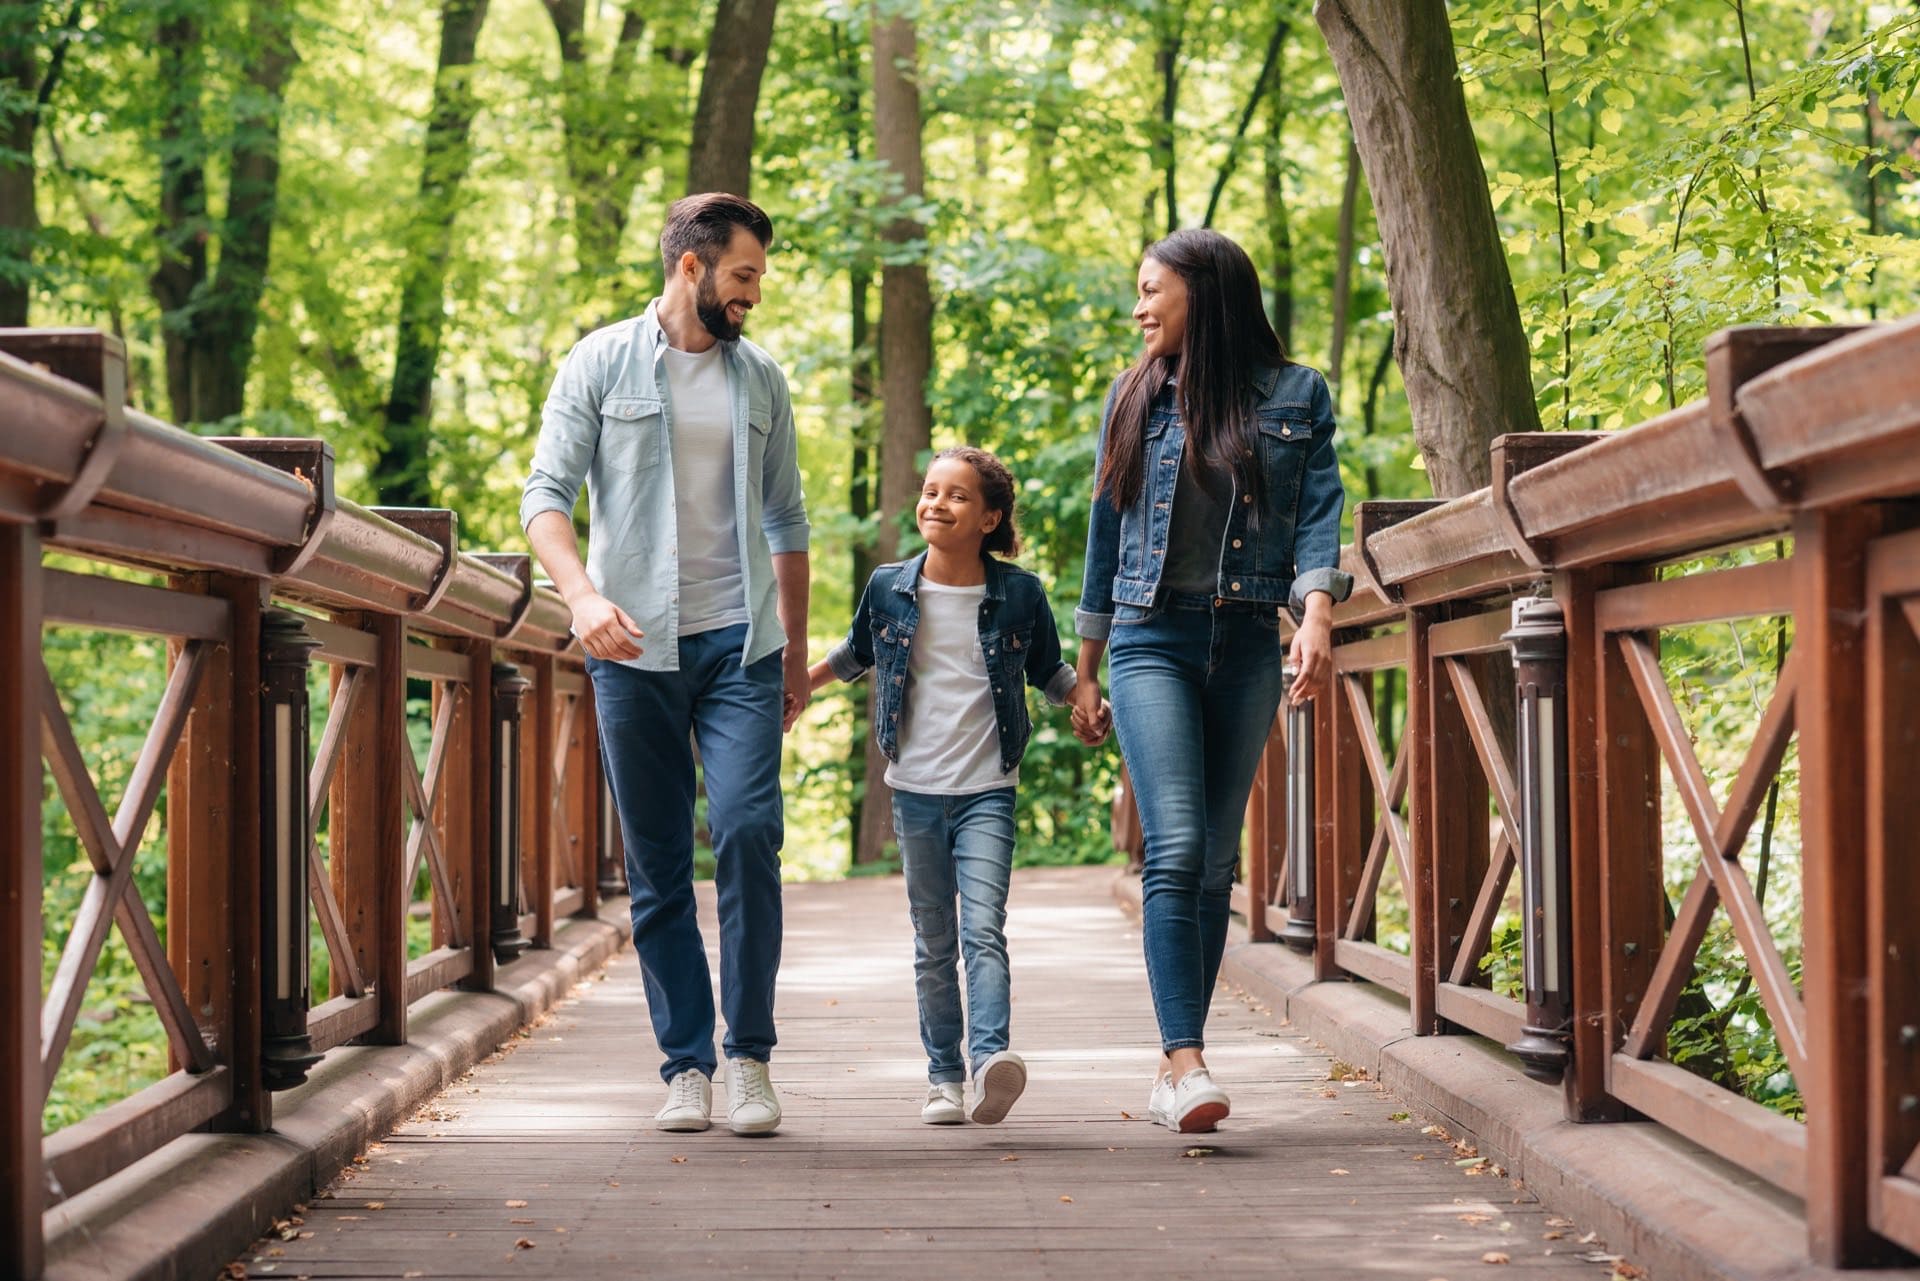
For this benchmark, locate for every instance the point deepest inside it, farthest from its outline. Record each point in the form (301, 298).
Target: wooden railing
(1808, 444)
(252, 568)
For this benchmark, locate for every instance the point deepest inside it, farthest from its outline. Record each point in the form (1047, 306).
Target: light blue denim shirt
(608, 421)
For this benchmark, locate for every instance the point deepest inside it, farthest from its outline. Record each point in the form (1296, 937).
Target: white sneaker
(1160, 1101)
(752, 1106)
(689, 1102)
(1198, 1104)
(996, 1086)
(943, 1105)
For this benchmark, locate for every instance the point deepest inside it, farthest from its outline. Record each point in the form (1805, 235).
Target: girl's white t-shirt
(949, 743)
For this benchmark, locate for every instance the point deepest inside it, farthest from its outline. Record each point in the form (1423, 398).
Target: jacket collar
(907, 581)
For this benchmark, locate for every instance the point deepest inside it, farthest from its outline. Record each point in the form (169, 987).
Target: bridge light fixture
(1298, 933)
(286, 1047)
(1538, 640)
(503, 826)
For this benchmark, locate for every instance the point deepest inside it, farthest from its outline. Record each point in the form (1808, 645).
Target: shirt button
(1236, 542)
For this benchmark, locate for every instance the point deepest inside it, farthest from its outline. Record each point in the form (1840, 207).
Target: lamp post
(1298, 933)
(1539, 643)
(286, 1048)
(503, 827)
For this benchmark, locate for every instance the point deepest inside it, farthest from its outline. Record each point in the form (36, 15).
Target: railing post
(1590, 1047)
(539, 801)
(214, 931)
(1346, 820)
(285, 645)
(1829, 555)
(21, 1187)
(583, 799)
(611, 849)
(478, 733)
(367, 831)
(504, 812)
(1539, 643)
(1302, 858)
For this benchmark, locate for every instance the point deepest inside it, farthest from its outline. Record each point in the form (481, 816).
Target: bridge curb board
(184, 1212)
(1656, 1198)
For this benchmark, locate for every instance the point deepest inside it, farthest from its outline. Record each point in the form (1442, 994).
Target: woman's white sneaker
(689, 1103)
(996, 1086)
(752, 1106)
(943, 1105)
(1198, 1104)
(1160, 1101)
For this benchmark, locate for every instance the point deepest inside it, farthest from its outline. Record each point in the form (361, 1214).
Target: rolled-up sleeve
(1093, 619)
(569, 435)
(1316, 545)
(852, 658)
(785, 515)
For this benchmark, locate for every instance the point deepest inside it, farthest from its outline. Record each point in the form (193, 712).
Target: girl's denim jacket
(1275, 554)
(1017, 637)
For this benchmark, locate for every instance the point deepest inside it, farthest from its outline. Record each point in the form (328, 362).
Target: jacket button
(1286, 431)
(1246, 498)
(1219, 600)
(1236, 542)
(1234, 586)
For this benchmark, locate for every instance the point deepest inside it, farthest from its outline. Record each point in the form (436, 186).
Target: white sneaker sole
(943, 1116)
(1001, 1086)
(767, 1126)
(1202, 1117)
(682, 1124)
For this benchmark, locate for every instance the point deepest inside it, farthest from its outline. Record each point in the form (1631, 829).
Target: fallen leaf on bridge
(678, 1160)
(1011, 1157)
(376, 1205)
(1494, 1256)
(1198, 1152)
(524, 1243)
(1067, 1199)
(1338, 1172)
(516, 1205)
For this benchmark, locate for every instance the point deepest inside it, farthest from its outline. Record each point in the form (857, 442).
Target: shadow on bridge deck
(544, 1162)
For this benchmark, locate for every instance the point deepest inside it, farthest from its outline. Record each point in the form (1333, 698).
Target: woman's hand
(1311, 652)
(1091, 715)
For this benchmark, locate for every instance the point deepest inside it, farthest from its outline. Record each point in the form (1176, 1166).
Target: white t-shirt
(712, 592)
(949, 740)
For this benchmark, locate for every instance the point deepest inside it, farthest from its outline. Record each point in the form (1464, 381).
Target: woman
(1216, 503)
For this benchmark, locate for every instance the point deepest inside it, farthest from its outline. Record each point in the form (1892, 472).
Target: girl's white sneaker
(996, 1086)
(943, 1105)
(1198, 1104)
(689, 1103)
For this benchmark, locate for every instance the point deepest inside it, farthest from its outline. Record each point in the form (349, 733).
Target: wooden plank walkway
(544, 1163)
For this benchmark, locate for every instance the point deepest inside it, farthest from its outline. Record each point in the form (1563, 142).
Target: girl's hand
(1095, 732)
(1086, 703)
(1311, 653)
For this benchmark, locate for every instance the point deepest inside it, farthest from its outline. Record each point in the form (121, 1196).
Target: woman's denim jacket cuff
(1337, 583)
(1088, 625)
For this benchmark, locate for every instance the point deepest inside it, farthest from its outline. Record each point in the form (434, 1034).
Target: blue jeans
(958, 846)
(1194, 692)
(733, 713)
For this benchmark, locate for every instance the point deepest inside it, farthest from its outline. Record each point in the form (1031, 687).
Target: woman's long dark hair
(1228, 342)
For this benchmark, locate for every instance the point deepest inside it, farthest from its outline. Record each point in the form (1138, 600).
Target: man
(695, 580)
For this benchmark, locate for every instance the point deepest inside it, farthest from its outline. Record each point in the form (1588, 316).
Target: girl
(957, 636)
(1216, 502)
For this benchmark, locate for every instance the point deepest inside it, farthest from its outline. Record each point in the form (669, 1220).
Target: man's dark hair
(703, 225)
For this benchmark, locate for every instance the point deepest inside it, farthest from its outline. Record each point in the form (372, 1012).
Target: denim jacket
(1017, 637)
(609, 422)
(1288, 547)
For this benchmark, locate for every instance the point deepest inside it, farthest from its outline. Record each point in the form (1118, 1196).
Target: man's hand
(604, 629)
(799, 686)
(1312, 650)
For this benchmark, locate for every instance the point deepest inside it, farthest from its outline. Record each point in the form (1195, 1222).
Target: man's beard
(713, 312)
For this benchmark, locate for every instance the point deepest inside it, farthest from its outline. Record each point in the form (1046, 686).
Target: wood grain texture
(1309, 1178)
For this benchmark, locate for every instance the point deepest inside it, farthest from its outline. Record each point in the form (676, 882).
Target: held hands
(799, 686)
(1092, 714)
(604, 629)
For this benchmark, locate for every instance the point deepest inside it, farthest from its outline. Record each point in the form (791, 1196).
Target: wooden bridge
(1389, 860)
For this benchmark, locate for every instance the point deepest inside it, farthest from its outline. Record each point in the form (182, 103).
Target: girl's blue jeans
(1194, 691)
(958, 849)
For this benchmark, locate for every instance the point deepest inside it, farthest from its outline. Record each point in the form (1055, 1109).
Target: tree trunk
(1461, 347)
(722, 154)
(906, 300)
(19, 214)
(1267, 81)
(1343, 281)
(1279, 219)
(401, 474)
(1166, 65)
(182, 268)
(223, 352)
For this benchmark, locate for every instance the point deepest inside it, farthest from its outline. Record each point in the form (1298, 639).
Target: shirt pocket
(630, 432)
